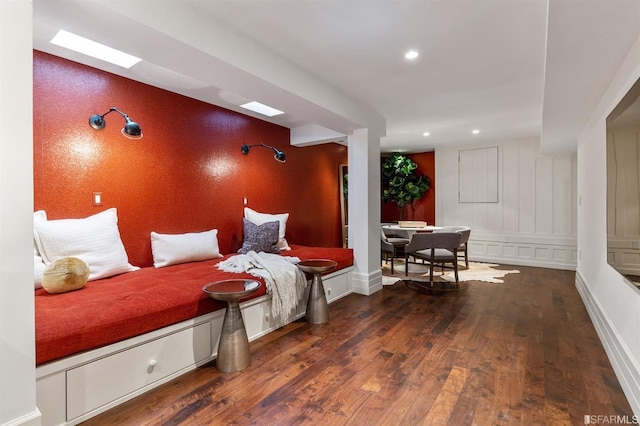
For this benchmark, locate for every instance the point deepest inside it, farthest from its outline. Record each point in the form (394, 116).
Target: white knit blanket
(284, 280)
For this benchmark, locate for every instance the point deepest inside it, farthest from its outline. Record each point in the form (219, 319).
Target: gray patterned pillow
(260, 237)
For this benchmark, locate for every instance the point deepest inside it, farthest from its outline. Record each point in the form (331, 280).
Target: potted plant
(401, 182)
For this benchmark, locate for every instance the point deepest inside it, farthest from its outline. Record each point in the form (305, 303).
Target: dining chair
(387, 249)
(390, 245)
(437, 248)
(463, 250)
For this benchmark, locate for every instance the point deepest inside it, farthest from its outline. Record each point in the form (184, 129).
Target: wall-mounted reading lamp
(131, 129)
(279, 155)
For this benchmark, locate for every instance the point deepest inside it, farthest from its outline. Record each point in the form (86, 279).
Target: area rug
(476, 272)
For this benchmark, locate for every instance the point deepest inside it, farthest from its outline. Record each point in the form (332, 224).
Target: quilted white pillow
(260, 218)
(170, 249)
(38, 264)
(38, 268)
(95, 240)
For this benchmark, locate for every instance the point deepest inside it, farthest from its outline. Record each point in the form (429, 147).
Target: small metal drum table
(317, 308)
(233, 349)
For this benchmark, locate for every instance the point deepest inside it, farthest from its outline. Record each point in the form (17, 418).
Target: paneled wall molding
(521, 249)
(533, 223)
(481, 185)
(624, 255)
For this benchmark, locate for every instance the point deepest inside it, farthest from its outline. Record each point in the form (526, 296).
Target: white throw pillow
(38, 268)
(260, 218)
(170, 249)
(95, 240)
(38, 264)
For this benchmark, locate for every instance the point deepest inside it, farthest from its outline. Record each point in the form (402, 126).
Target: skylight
(94, 49)
(262, 109)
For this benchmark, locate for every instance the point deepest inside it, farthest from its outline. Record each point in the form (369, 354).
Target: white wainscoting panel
(481, 186)
(534, 221)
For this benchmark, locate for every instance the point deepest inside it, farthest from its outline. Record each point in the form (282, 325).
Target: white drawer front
(100, 382)
(336, 286)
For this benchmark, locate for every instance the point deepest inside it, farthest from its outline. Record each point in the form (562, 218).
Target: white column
(364, 210)
(17, 341)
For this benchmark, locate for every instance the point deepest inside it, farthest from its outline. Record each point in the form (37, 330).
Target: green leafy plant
(401, 182)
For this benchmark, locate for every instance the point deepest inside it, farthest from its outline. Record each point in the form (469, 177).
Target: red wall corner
(186, 174)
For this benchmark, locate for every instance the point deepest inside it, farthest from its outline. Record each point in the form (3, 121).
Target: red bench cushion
(120, 307)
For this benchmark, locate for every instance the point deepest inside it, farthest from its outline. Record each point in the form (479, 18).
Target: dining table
(426, 228)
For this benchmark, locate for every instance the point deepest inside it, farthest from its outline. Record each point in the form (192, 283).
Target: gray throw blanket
(284, 280)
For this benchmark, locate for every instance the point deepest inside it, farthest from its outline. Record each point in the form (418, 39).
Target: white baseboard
(367, 284)
(626, 369)
(31, 419)
(522, 262)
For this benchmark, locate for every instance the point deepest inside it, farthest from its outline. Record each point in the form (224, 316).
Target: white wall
(612, 302)
(534, 221)
(17, 348)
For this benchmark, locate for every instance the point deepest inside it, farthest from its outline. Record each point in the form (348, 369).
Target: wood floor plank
(443, 406)
(513, 353)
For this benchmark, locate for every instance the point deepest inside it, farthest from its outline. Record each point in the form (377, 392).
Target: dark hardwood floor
(519, 353)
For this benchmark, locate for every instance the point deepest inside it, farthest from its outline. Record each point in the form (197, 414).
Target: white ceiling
(509, 68)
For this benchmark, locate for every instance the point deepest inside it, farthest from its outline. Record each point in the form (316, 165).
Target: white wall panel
(478, 175)
(17, 330)
(563, 197)
(543, 188)
(526, 186)
(510, 187)
(533, 222)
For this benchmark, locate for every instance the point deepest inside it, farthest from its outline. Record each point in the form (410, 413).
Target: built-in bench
(121, 336)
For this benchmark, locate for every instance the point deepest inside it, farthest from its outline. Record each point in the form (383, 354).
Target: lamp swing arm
(100, 120)
(131, 129)
(126, 116)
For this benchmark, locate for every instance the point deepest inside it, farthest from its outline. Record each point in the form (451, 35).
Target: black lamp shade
(280, 156)
(96, 121)
(132, 129)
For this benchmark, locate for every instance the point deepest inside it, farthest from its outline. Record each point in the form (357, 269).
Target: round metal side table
(317, 307)
(233, 349)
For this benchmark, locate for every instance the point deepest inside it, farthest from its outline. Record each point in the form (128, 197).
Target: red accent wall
(425, 208)
(185, 175)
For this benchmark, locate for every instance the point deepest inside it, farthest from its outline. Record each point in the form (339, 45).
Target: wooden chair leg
(431, 268)
(455, 268)
(406, 265)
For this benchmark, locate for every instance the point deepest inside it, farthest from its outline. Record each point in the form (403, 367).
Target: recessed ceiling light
(262, 109)
(426, 134)
(411, 54)
(475, 132)
(94, 49)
